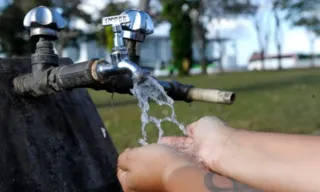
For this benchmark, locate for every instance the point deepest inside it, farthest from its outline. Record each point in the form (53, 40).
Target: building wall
(85, 52)
(287, 63)
(154, 50)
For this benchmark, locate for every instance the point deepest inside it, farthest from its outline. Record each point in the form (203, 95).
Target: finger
(183, 144)
(123, 179)
(126, 181)
(190, 129)
(172, 141)
(124, 160)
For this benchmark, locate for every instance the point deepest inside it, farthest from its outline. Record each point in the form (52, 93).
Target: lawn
(277, 101)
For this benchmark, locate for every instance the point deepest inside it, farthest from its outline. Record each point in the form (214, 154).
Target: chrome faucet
(120, 61)
(48, 76)
(135, 31)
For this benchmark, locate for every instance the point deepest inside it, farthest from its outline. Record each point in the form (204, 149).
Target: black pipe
(176, 90)
(82, 75)
(72, 76)
(55, 79)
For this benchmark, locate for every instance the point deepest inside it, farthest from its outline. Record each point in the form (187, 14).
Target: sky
(295, 40)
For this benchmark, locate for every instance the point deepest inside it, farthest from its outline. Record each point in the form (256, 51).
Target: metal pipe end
(140, 76)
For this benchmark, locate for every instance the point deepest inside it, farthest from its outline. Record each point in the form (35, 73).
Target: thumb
(122, 177)
(190, 129)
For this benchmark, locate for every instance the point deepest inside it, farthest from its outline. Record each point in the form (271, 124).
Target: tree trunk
(64, 36)
(278, 38)
(60, 48)
(265, 47)
(263, 59)
(220, 67)
(201, 36)
(52, 143)
(312, 45)
(144, 5)
(279, 49)
(203, 47)
(261, 43)
(221, 52)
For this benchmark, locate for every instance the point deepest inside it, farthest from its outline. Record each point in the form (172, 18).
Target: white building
(288, 61)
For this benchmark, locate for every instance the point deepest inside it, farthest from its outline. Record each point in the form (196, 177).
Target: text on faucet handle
(115, 20)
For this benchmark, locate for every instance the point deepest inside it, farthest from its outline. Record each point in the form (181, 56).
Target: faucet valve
(135, 31)
(139, 27)
(119, 51)
(44, 23)
(116, 22)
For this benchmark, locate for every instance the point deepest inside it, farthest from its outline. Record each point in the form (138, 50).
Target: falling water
(151, 89)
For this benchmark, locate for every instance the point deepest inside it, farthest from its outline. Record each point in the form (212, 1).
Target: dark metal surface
(52, 143)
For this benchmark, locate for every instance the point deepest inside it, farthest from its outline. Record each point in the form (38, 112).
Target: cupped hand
(147, 168)
(205, 141)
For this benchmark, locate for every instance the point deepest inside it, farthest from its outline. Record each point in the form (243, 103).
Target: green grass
(284, 101)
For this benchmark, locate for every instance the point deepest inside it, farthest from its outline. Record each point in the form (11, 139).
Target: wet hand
(205, 141)
(147, 168)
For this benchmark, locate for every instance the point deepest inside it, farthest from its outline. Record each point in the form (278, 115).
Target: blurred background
(267, 51)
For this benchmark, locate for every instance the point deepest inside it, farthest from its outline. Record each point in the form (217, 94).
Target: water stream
(150, 89)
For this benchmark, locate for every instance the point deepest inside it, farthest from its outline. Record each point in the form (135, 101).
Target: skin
(137, 172)
(213, 153)
(177, 160)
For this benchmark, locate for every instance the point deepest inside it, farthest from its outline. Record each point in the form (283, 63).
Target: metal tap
(44, 25)
(48, 77)
(43, 21)
(119, 55)
(136, 31)
(139, 26)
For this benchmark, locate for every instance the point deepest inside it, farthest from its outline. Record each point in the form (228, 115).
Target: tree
(202, 11)
(218, 9)
(105, 37)
(235, 8)
(277, 6)
(305, 14)
(144, 5)
(262, 27)
(199, 30)
(13, 33)
(14, 38)
(180, 33)
(72, 36)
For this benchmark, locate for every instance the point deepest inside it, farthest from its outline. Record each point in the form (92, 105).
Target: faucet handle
(139, 27)
(43, 21)
(116, 22)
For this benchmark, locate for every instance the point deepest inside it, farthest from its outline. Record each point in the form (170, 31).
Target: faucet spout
(124, 67)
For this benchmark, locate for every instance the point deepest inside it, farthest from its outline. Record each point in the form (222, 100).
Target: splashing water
(151, 89)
